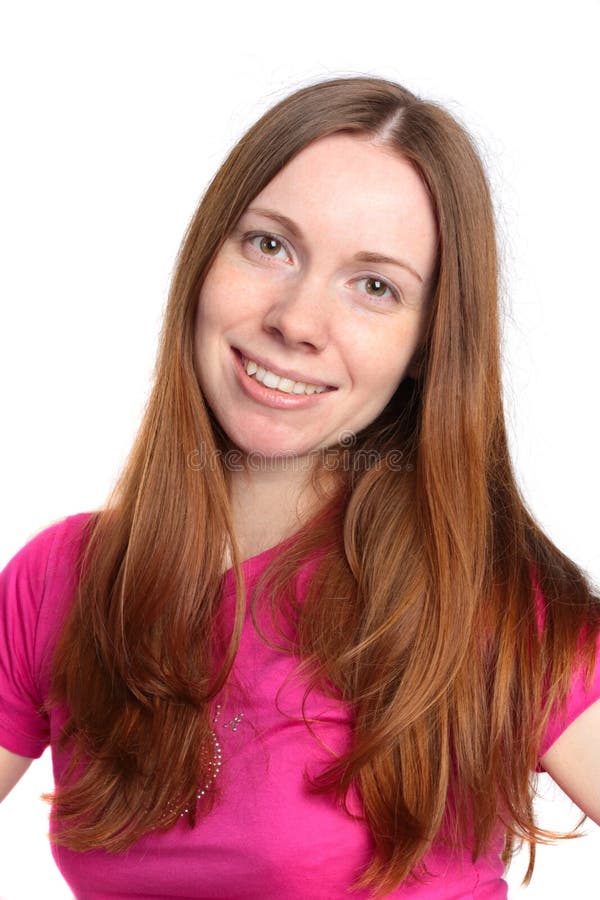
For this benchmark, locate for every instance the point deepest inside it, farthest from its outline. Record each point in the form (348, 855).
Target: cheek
(206, 328)
(213, 310)
(384, 349)
(228, 297)
(385, 362)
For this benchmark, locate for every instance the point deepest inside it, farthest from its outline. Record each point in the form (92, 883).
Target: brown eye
(379, 288)
(268, 244)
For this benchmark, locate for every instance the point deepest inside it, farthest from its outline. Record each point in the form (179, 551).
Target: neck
(270, 504)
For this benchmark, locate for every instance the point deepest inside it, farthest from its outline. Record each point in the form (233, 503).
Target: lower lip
(269, 396)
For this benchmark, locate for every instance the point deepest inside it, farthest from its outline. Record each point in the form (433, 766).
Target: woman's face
(299, 299)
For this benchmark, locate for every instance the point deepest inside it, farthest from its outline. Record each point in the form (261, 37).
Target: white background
(114, 117)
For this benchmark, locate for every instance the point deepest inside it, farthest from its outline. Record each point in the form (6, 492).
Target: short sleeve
(578, 700)
(34, 587)
(23, 727)
(579, 697)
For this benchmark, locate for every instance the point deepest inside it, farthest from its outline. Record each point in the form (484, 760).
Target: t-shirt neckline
(256, 562)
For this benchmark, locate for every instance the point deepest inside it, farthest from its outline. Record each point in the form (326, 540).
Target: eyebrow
(362, 256)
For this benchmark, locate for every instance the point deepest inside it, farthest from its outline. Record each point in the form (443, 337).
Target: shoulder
(35, 588)
(38, 546)
(36, 583)
(48, 552)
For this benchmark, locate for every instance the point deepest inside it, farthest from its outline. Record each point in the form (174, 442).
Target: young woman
(315, 640)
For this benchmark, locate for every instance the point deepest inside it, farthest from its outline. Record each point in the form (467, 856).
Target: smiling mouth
(271, 397)
(281, 384)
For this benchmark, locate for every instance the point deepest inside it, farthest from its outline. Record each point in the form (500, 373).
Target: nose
(300, 314)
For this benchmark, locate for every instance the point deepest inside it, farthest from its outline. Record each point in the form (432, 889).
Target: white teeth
(286, 385)
(269, 379)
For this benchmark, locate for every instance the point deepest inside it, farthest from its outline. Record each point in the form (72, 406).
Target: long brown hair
(421, 611)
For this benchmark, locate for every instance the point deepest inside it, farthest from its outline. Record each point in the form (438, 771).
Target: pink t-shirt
(268, 837)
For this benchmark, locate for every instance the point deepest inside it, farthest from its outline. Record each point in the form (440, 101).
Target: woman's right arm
(12, 768)
(40, 572)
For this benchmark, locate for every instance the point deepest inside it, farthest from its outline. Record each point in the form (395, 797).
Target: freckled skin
(307, 305)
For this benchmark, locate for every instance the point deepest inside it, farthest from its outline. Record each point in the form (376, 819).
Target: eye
(268, 246)
(380, 286)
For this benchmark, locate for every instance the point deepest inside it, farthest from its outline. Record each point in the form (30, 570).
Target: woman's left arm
(573, 761)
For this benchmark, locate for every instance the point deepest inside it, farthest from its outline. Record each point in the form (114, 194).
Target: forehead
(335, 160)
(363, 195)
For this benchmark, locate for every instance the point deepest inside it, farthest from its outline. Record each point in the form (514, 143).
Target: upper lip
(292, 374)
